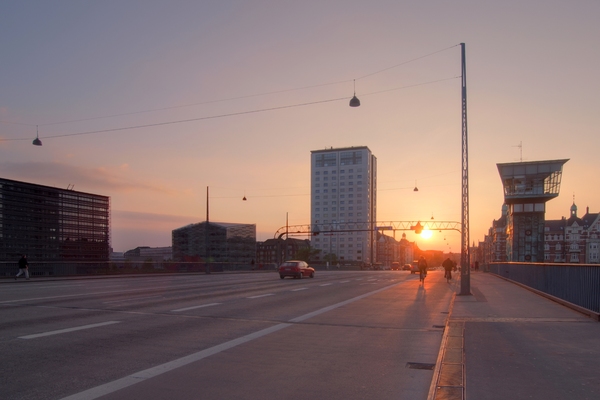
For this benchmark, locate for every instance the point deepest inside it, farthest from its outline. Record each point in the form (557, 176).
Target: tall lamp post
(207, 241)
(206, 237)
(465, 270)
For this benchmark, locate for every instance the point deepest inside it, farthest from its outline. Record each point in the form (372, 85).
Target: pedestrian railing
(578, 284)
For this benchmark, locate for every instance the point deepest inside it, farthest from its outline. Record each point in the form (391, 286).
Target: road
(341, 335)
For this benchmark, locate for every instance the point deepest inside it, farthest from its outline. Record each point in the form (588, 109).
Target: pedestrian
(23, 267)
(422, 268)
(448, 265)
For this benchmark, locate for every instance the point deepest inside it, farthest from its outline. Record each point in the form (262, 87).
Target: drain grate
(413, 365)
(439, 326)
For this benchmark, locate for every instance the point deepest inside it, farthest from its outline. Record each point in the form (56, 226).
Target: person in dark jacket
(23, 267)
(422, 268)
(448, 265)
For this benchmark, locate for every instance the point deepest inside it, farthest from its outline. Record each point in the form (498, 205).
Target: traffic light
(418, 228)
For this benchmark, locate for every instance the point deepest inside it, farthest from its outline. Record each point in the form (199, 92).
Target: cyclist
(448, 265)
(422, 269)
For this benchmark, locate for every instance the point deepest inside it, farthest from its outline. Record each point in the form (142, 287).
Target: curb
(449, 380)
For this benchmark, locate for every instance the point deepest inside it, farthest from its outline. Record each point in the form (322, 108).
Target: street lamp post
(465, 271)
(206, 237)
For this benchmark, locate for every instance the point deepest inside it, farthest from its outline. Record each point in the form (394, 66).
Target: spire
(574, 208)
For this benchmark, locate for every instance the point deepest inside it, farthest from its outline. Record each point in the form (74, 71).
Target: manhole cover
(413, 365)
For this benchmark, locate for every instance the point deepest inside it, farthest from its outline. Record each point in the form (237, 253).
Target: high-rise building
(51, 224)
(344, 203)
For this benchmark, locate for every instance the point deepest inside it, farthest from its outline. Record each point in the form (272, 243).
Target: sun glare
(426, 234)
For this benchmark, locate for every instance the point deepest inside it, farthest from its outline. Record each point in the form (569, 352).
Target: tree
(306, 253)
(331, 258)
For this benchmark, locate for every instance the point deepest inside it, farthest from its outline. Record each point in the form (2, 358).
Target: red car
(296, 269)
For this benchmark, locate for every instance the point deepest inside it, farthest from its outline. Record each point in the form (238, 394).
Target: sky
(151, 102)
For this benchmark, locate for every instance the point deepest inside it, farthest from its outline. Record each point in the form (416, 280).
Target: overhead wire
(193, 104)
(406, 62)
(230, 99)
(184, 120)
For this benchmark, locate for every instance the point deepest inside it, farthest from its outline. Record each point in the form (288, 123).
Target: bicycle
(422, 275)
(448, 276)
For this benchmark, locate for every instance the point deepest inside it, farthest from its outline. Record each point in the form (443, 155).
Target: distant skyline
(235, 94)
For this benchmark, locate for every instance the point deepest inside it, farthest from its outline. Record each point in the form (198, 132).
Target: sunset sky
(150, 102)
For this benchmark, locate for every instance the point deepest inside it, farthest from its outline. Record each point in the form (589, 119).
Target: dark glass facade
(51, 224)
(234, 243)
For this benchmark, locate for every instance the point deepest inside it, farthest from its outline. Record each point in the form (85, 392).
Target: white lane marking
(129, 300)
(140, 376)
(344, 281)
(34, 286)
(93, 294)
(325, 284)
(108, 286)
(343, 303)
(194, 307)
(302, 288)
(261, 295)
(78, 328)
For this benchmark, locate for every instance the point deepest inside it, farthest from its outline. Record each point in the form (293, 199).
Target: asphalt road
(341, 335)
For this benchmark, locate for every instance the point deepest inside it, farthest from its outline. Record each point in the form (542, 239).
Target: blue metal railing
(576, 283)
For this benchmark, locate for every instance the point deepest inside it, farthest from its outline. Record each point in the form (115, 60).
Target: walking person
(422, 269)
(23, 267)
(448, 265)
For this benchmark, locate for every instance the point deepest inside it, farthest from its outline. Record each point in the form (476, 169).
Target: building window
(350, 157)
(326, 160)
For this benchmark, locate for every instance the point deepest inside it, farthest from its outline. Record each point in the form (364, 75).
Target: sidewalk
(506, 342)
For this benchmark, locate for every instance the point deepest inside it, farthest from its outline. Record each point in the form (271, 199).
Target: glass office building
(227, 242)
(51, 224)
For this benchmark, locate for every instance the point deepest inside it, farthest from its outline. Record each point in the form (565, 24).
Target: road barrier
(77, 268)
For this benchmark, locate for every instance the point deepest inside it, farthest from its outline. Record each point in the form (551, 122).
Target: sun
(426, 234)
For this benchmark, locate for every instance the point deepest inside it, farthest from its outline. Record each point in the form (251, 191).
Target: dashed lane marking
(77, 328)
(194, 307)
(261, 295)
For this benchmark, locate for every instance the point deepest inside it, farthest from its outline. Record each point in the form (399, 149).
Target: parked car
(296, 269)
(407, 267)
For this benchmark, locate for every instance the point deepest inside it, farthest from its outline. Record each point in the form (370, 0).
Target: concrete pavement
(506, 342)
